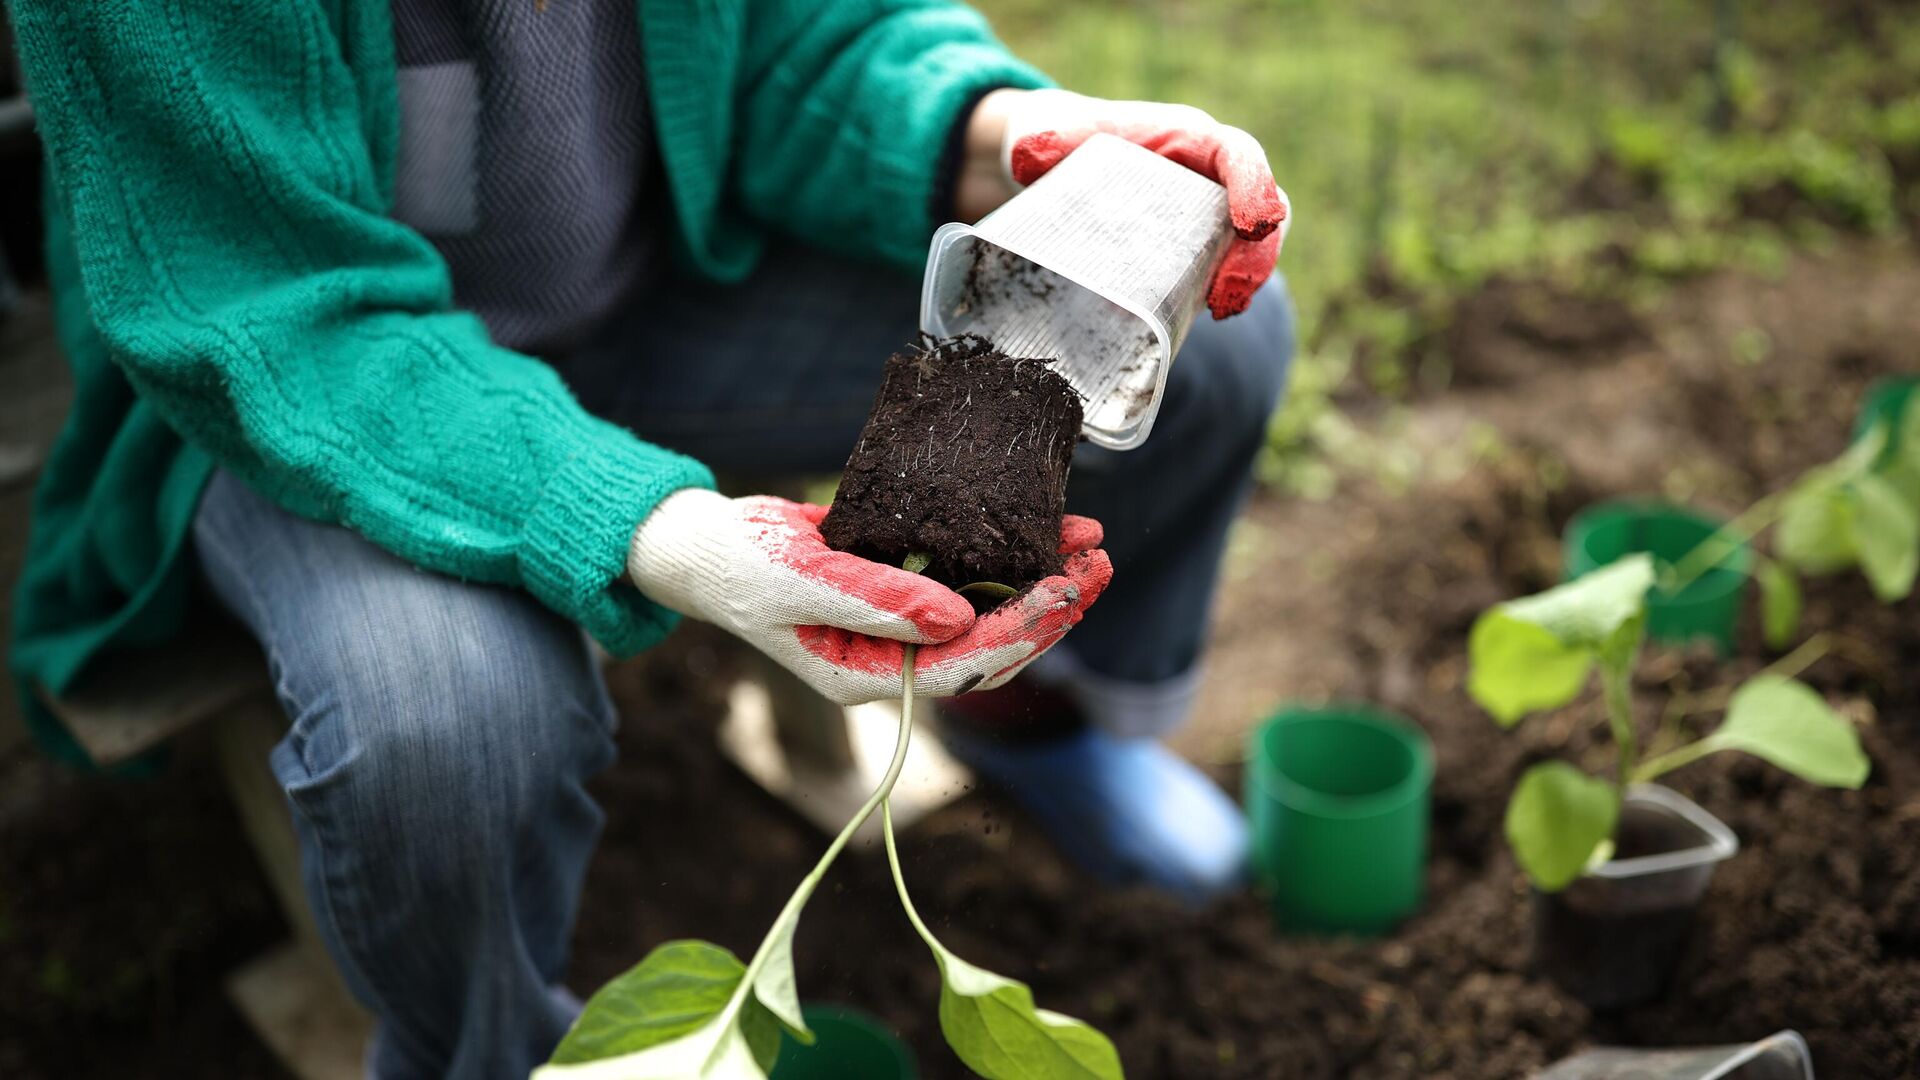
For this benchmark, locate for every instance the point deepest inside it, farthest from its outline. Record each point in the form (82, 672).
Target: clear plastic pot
(1101, 265)
(1782, 1055)
(1614, 936)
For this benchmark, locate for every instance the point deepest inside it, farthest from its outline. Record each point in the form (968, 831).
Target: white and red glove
(759, 568)
(1044, 126)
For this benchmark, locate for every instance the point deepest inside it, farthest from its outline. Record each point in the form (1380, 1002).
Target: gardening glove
(1044, 126)
(759, 568)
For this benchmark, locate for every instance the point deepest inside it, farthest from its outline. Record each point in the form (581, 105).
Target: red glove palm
(1044, 126)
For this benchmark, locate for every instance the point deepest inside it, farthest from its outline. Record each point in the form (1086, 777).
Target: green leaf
(1887, 535)
(1592, 610)
(1780, 602)
(1535, 653)
(1518, 668)
(1556, 818)
(916, 561)
(680, 988)
(994, 1027)
(1785, 722)
(1816, 526)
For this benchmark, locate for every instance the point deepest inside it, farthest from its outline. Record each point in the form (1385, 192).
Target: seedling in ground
(1861, 509)
(1540, 653)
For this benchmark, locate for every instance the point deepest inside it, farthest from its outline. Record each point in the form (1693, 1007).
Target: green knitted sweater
(230, 289)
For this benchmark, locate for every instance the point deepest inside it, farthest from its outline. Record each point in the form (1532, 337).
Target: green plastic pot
(1338, 798)
(1708, 608)
(848, 1045)
(1886, 402)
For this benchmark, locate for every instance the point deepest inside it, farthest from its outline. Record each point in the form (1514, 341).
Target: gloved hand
(759, 568)
(1044, 126)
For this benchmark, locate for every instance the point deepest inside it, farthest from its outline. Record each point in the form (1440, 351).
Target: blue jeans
(442, 731)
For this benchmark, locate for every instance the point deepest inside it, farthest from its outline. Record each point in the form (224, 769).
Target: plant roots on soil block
(964, 459)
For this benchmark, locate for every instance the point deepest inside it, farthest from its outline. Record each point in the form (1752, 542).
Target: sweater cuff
(952, 79)
(574, 554)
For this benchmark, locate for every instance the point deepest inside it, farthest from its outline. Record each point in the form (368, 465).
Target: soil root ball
(964, 458)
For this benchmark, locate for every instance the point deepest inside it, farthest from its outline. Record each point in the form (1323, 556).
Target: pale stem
(1673, 759)
(1710, 552)
(801, 894)
(1789, 666)
(886, 815)
(1617, 682)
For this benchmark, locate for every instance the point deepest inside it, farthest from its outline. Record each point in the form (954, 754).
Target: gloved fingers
(838, 589)
(1227, 155)
(1255, 203)
(1034, 155)
(1079, 534)
(1037, 617)
(1247, 266)
(851, 668)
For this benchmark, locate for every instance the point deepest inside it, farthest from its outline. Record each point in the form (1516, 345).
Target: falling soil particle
(964, 459)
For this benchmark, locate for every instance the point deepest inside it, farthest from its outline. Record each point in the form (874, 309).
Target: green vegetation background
(1605, 145)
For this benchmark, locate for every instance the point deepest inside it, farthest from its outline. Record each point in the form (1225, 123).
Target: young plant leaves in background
(1788, 724)
(1780, 603)
(680, 988)
(1887, 536)
(1536, 652)
(1556, 818)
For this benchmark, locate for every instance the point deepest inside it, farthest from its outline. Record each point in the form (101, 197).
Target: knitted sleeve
(215, 161)
(845, 112)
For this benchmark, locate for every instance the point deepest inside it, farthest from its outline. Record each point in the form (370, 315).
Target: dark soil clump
(964, 459)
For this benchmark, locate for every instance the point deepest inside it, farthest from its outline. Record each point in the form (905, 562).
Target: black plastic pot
(1614, 936)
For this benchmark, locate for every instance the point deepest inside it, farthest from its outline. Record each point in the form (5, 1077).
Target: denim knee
(451, 716)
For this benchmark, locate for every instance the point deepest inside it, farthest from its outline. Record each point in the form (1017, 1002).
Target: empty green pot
(1707, 608)
(848, 1045)
(1886, 402)
(1339, 801)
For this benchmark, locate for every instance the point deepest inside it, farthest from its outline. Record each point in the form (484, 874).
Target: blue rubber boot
(1128, 810)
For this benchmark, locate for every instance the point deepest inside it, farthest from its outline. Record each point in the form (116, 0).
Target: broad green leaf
(990, 1020)
(717, 1050)
(677, 990)
(1556, 818)
(1517, 667)
(1816, 526)
(1590, 611)
(1535, 652)
(1780, 603)
(776, 986)
(1886, 532)
(994, 1027)
(1785, 722)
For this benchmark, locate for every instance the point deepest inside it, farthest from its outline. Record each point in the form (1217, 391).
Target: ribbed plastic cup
(1782, 1055)
(1101, 265)
(1339, 803)
(848, 1045)
(1707, 608)
(1886, 402)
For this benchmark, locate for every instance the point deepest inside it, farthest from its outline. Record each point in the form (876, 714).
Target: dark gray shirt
(525, 158)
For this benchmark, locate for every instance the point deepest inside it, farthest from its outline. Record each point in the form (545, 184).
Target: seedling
(692, 1011)
(1861, 509)
(1540, 652)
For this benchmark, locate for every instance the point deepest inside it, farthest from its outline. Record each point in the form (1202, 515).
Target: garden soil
(122, 902)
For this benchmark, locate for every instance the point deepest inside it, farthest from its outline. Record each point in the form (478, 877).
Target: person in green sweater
(406, 333)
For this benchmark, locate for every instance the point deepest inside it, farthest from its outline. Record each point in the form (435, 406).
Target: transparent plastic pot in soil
(1614, 936)
(1782, 1055)
(1100, 265)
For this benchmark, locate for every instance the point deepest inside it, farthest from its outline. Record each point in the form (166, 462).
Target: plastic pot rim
(1718, 581)
(1801, 1052)
(1272, 782)
(1720, 845)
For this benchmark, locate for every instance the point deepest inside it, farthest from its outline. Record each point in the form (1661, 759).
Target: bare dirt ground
(122, 903)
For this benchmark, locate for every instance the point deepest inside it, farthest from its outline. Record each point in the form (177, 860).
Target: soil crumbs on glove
(964, 458)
